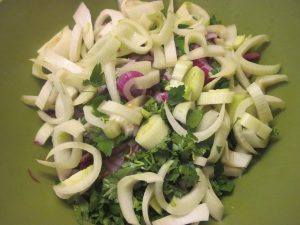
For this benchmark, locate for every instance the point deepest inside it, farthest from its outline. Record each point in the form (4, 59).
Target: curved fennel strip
(194, 37)
(43, 134)
(83, 17)
(75, 45)
(148, 195)
(208, 118)
(220, 140)
(205, 134)
(254, 68)
(125, 192)
(201, 135)
(91, 118)
(42, 99)
(100, 28)
(66, 191)
(114, 108)
(198, 214)
(68, 159)
(69, 109)
(110, 78)
(260, 102)
(133, 36)
(209, 51)
(214, 204)
(184, 205)
(265, 81)
(228, 67)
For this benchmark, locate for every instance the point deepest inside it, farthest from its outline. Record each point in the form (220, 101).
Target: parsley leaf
(222, 83)
(275, 132)
(95, 102)
(97, 77)
(216, 67)
(105, 146)
(189, 175)
(110, 183)
(194, 118)
(176, 95)
(183, 26)
(213, 20)
(222, 185)
(179, 43)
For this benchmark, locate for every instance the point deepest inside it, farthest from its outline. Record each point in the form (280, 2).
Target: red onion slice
(203, 64)
(252, 56)
(125, 85)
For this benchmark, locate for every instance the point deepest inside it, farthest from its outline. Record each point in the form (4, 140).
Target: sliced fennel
(152, 133)
(125, 192)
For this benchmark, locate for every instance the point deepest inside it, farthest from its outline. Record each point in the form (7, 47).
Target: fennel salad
(152, 112)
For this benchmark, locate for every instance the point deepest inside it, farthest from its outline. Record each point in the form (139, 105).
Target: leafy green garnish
(179, 43)
(222, 83)
(275, 132)
(176, 95)
(216, 67)
(194, 118)
(95, 102)
(213, 20)
(110, 183)
(97, 77)
(183, 26)
(105, 146)
(222, 185)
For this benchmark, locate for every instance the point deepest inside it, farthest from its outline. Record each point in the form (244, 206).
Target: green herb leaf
(194, 118)
(216, 67)
(222, 185)
(179, 43)
(105, 146)
(176, 95)
(213, 20)
(97, 77)
(275, 132)
(189, 175)
(183, 26)
(110, 183)
(222, 83)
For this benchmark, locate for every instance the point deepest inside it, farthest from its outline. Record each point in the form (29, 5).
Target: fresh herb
(176, 95)
(179, 43)
(97, 77)
(213, 20)
(216, 67)
(218, 169)
(194, 118)
(275, 132)
(183, 26)
(152, 106)
(105, 146)
(95, 102)
(110, 183)
(180, 179)
(222, 83)
(222, 185)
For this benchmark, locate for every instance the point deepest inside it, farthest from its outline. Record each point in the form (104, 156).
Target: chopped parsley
(179, 43)
(97, 77)
(176, 95)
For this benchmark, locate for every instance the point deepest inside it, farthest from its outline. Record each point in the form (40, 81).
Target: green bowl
(268, 194)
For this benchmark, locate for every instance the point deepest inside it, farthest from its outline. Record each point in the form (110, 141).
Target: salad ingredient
(125, 189)
(152, 133)
(173, 98)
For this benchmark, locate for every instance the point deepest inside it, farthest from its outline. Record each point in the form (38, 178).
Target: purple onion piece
(211, 36)
(86, 161)
(204, 65)
(252, 56)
